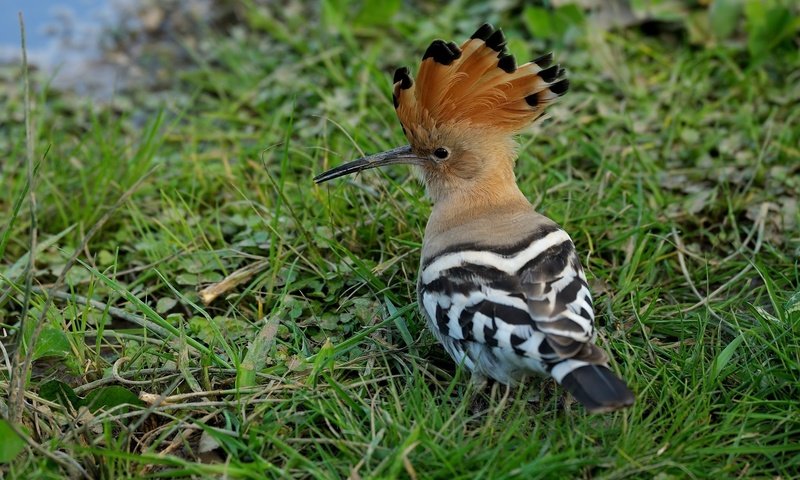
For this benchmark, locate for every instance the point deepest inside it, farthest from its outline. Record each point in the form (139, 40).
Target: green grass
(674, 168)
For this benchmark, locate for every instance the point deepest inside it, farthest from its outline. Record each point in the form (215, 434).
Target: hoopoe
(501, 286)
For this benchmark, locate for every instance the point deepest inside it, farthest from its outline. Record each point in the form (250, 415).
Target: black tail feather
(598, 389)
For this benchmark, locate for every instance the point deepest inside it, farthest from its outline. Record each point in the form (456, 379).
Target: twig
(173, 399)
(211, 292)
(124, 336)
(169, 371)
(118, 378)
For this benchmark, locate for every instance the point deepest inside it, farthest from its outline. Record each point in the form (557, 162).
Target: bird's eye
(441, 153)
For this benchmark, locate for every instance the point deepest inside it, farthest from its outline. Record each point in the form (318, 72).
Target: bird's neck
(483, 199)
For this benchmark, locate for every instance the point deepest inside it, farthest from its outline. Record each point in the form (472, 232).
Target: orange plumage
(476, 84)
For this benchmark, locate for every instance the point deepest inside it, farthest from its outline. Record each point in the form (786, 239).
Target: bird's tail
(597, 388)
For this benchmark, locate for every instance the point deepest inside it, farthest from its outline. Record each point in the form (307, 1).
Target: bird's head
(461, 112)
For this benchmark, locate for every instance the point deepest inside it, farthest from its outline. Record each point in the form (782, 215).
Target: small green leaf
(256, 355)
(400, 323)
(520, 49)
(52, 342)
(555, 24)
(209, 277)
(61, 393)
(165, 304)
(11, 443)
(102, 398)
(768, 25)
(323, 360)
(104, 258)
(793, 304)
(539, 22)
(329, 321)
(571, 15)
(296, 310)
(724, 16)
(724, 356)
(765, 315)
(110, 397)
(186, 279)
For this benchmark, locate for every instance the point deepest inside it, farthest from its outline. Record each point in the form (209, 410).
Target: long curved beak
(397, 155)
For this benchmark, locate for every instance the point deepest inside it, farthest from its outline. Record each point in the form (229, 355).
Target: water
(63, 39)
(51, 25)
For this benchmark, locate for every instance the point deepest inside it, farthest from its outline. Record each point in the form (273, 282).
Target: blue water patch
(53, 27)
(63, 38)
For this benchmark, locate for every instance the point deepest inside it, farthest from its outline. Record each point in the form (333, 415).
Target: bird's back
(507, 297)
(477, 278)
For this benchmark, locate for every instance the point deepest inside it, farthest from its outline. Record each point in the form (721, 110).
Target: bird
(501, 286)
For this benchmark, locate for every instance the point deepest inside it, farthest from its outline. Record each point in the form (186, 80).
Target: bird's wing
(530, 301)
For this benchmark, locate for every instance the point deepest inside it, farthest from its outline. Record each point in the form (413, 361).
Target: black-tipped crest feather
(477, 83)
(496, 41)
(550, 73)
(483, 32)
(544, 61)
(403, 75)
(507, 63)
(560, 87)
(441, 52)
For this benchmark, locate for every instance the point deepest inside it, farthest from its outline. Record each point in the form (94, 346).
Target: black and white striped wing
(507, 311)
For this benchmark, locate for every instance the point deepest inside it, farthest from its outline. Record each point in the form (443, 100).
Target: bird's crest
(478, 83)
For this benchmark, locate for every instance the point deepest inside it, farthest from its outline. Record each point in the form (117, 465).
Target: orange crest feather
(478, 83)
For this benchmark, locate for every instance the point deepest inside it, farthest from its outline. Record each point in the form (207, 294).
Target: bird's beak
(390, 157)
